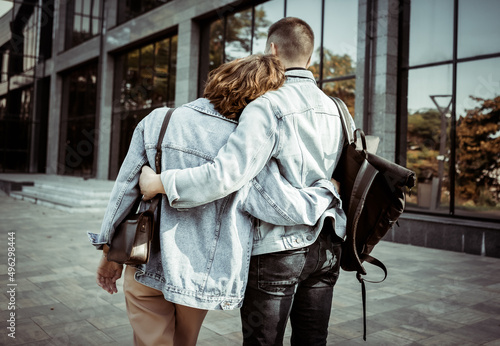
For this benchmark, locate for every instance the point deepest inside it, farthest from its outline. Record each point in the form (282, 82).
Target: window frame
(402, 126)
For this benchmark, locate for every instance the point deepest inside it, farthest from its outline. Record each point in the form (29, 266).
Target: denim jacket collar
(296, 75)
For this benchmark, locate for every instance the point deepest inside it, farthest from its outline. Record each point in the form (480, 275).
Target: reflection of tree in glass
(337, 66)
(422, 127)
(423, 143)
(148, 81)
(478, 153)
(237, 35)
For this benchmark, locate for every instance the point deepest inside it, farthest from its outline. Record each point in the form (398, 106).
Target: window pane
(265, 15)
(77, 157)
(238, 35)
(145, 79)
(428, 136)
(85, 25)
(344, 90)
(95, 27)
(86, 7)
(478, 27)
(340, 38)
(477, 191)
(311, 14)
(78, 6)
(431, 31)
(96, 9)
(77, 25)
(216, 44)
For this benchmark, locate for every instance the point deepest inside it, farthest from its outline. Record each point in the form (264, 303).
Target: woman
(200, 260)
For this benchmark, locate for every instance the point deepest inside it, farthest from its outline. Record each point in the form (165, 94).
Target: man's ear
(308, 62)
(273, 49)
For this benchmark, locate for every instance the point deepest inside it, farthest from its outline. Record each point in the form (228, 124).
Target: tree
(478, 151)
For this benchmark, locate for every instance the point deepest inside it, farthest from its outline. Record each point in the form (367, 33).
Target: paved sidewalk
(431, 297)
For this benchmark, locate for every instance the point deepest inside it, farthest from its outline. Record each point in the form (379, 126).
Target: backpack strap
(343, 111)
(375, 262)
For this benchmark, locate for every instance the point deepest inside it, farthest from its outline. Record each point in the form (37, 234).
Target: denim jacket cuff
(95, 239)
(330, 187)
(168, 180)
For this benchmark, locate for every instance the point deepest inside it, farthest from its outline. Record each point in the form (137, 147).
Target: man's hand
(150, 183)
(107, 274)
(336, 184)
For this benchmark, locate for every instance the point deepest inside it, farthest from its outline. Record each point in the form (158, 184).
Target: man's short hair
(294, 37)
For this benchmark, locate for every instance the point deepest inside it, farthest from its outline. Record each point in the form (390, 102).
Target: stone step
(54, 203)
(70, 194)
(66, 196)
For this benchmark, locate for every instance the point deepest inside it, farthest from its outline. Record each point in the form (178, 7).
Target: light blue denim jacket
(298, 127)
(202, 256)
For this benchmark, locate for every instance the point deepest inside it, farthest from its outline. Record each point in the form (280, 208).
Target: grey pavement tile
(109, 321)
(385, 337)
(396, 318)
(64, 329)
(490, 307)
(50, 309)
(471, 297)
(445, 339)
(435, 307)
(26, 331)
(481, 332)
(466, 316)
(96, 338)
(410, 332)
(354, 329)
(122, 335)
(28, 299)
(223, 327)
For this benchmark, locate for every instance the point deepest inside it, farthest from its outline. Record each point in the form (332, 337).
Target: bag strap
(343, 111)
(157, 199)
(166, 120)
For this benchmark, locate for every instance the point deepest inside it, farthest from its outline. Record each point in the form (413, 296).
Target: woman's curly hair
(233, 85)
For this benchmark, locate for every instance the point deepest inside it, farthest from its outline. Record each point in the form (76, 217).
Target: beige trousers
(156, 321)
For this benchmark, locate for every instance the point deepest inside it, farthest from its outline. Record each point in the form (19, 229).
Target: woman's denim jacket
(202, 254)
(298, 127)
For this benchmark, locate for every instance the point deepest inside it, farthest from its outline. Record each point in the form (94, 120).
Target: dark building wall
(460, 235)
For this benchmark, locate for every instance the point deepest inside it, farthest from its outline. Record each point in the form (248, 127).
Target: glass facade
(130, 9)
(78, 122)
(83, 21)
(15, 127)
(4, 73)
(453, 107)
(144, 80)
(238, 33)
(30, 42)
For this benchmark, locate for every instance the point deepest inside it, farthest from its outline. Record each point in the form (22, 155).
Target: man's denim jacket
(201, 255)
(298, 128)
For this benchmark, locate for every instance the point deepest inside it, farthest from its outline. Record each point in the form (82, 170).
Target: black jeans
(296, 284)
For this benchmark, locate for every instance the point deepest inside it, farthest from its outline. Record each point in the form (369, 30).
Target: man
(293, 269)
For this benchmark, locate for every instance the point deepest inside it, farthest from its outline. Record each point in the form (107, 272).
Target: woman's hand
(150, 183)
(107, 274)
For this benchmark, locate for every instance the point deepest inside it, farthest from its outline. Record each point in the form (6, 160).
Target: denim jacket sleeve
(247, 151)
(125, 190)
(272, 199)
